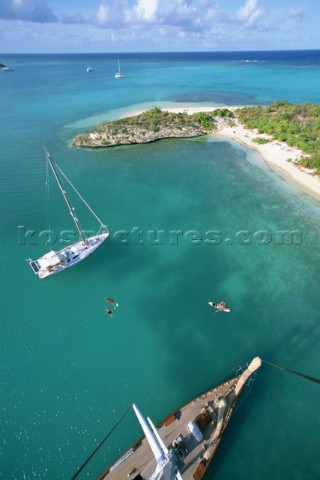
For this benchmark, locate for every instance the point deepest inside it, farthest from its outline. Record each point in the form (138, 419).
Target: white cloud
(211, 13)
(249, 13)
(103, 13)
(146, 9)
(186, 11)
(177, 24)
(247, 9)
(297, 13)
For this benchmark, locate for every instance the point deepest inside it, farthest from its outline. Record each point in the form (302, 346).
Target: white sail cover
(50, 259)
(77, 248)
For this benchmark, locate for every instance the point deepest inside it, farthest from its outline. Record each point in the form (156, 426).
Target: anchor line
(80, 469)
(307, 377)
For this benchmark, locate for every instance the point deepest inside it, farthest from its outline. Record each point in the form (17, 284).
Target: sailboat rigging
(56, 261)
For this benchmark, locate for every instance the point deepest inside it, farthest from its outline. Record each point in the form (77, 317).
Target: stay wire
(80, 196)
(307, 377)
(100, 445)
(47, 219)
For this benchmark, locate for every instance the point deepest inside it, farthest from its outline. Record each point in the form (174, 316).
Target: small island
(149, 126)
(285, 134)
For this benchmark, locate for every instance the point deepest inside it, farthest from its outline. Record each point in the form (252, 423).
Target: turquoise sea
(192, 220)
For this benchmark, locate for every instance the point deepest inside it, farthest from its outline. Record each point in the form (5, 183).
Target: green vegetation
(222, 112)
(153, 120)
(261, 140)
(297, 125)
(204, 119)
(149, 126)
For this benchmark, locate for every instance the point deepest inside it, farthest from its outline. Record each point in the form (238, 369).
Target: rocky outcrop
(147, 127)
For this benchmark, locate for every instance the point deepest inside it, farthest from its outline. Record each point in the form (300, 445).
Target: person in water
(222, 306)
(109, 312)
(112, 302)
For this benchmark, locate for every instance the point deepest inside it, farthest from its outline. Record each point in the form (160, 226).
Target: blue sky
(49, 26)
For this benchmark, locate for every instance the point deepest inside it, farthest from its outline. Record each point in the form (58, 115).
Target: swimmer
(112, 302)
(220, 307)
(109, 312)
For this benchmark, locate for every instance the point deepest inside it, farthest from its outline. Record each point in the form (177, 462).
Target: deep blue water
(68, 372)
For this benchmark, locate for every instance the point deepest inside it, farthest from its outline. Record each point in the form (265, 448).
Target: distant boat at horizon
(5, 68)
(118, 74)
(89, 69)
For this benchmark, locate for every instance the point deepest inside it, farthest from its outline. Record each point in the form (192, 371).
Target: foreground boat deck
(210, 411)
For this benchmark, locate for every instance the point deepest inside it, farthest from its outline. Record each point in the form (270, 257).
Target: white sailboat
(57, 261)
(118, 74)
(5, 68)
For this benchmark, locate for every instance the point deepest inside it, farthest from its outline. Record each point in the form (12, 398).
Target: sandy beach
(277, 154)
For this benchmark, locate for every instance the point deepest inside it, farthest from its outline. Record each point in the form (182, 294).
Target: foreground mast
(166, 467)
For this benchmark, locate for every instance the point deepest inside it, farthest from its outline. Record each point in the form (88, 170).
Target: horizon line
(161, 52)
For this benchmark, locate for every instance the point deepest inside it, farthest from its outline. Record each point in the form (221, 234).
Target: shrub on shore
(296, 124)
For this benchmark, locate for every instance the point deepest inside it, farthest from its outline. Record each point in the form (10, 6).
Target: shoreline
(275, 153)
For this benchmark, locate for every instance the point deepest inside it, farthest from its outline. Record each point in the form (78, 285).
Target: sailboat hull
(192, 433)
(57, 261)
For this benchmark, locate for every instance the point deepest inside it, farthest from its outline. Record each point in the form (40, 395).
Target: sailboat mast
(153, 442)
(71, 209)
